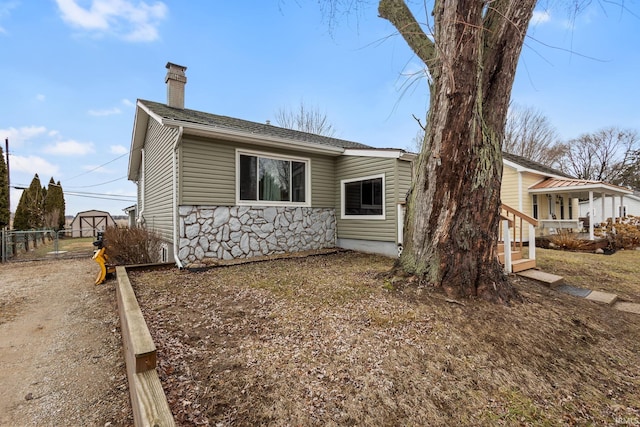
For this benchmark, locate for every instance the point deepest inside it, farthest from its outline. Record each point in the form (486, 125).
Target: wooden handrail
(515, 221)
(522, 215)
(506, 218)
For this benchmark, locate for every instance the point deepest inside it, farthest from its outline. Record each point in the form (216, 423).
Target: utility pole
(6, 153)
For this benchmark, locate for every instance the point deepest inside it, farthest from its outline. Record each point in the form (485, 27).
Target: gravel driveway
(60, 347)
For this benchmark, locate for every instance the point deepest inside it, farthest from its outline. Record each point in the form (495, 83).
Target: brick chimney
(175, 81)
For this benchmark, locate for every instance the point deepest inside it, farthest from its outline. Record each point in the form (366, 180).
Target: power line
(94, 185)
(103, 198)
(83, 193)
(97, 167)
(86, 193)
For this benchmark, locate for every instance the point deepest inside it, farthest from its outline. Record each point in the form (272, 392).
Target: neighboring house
(551, 196)
(130, 212)
(217, 187)
(88, 223)
(630, 206)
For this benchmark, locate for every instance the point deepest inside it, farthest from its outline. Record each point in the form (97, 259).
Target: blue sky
(73, 69)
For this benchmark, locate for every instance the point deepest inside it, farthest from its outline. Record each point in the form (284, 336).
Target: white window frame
(273, 156)
(343, 215)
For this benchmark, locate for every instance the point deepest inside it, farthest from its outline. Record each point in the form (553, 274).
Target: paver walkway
(601, 297)
(557, 283)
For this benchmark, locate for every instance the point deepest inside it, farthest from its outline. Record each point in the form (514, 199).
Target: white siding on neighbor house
(631, 202)
(208, 175)
(158, 179)
(352, 167)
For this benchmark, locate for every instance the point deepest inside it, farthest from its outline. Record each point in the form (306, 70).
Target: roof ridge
(211, 119)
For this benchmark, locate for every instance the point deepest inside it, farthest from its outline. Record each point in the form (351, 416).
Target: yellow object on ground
(101, 258)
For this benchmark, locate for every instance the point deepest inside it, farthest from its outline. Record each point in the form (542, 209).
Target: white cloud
(21, 135)
(118, 149)
(40, 97)
(540, 17)
(127, 19)
(5, 11)
(128, 103)
(106, 112)
(70, 148)
(32, 165)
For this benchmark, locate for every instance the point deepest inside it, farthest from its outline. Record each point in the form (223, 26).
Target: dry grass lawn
(327, 340)
(618, 273)
(77, 246)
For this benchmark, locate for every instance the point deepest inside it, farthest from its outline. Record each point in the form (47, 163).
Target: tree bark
(453, 206)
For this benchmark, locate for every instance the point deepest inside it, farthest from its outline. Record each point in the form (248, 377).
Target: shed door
(94, 223)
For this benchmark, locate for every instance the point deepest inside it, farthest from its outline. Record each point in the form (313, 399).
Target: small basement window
(363, 198)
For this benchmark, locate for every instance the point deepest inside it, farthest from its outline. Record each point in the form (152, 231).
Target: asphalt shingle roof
(231, 123)
(530, 164)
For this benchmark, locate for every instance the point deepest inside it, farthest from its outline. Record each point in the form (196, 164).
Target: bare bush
(131, 245)
(565, 239)
(622, 235)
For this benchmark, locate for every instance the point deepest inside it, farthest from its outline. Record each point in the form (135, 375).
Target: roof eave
(581, 188)
(390, 153)
(520, 168)
(140, 123)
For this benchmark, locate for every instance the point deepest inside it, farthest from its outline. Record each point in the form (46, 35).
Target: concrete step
(629, 307)
(602, 297)
(522, 264)
(548, 279)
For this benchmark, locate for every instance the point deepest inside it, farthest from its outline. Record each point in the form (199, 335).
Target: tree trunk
(453, 208)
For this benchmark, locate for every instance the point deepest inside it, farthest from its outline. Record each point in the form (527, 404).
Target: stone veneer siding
(222, 232)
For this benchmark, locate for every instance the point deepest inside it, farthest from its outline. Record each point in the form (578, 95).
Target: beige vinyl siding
(509, 191)
(158, 173)
(514, 192)
(513, 188)
(352, 167)
(208, 175)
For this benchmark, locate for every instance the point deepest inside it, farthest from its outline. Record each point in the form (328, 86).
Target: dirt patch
(61, 357)
(327, 340)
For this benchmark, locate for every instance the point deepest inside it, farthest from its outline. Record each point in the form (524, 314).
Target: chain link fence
(44, 244)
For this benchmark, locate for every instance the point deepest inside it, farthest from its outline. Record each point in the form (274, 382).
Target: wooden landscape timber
(148, 401)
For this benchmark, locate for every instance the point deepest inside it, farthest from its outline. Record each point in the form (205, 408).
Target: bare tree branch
(305, 119)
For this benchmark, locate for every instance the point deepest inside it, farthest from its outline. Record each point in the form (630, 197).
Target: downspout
(140, 219)
(175, 197)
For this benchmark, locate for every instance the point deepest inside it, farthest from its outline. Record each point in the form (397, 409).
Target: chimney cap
(172, 65)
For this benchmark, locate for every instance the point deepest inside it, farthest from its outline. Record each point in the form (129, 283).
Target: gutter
(175, 196)
(140, 218)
